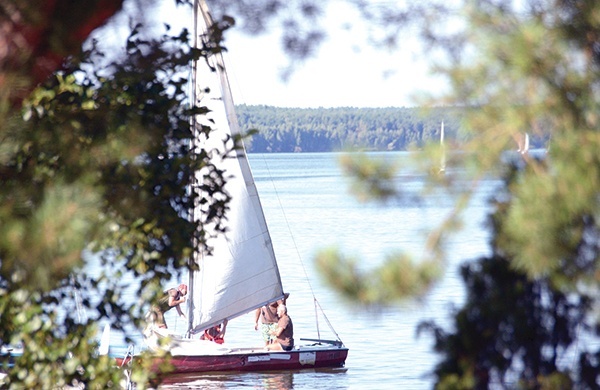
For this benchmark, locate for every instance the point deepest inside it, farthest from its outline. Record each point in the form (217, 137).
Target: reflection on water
(329, 378)
(278, 381)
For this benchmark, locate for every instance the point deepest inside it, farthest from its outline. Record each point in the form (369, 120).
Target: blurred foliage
(372, 178)
(397, 276)
(515, 331)
(532, 74)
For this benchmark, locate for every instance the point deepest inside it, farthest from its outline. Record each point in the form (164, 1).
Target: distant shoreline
(297, 130)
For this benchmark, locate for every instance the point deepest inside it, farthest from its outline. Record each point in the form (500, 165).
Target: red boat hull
(252, 360)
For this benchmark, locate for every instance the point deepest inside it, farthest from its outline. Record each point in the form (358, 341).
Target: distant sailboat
(104, 341)
(523, 144)
(443, 160)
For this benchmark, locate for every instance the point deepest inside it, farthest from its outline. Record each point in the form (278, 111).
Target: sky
(341, 74)
(345, 72)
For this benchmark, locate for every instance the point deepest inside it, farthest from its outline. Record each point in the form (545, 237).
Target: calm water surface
(308, 207)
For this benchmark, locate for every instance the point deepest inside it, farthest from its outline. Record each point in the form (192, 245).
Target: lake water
(308, 207)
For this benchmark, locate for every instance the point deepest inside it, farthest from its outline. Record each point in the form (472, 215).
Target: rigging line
(81, 313)
(287, 224)
(317, 317)
(316, 302)
(231, 73)
(326, 319)
(577, 349)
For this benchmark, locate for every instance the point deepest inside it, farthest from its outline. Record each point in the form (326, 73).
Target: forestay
(242, 273)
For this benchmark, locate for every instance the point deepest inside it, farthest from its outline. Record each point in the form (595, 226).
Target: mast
(194, 258)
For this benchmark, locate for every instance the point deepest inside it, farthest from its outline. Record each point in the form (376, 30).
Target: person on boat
(284, 332)
(173, 297)
(269, 318)
(216, 333)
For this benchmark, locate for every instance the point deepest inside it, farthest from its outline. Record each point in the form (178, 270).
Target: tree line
(283, 129)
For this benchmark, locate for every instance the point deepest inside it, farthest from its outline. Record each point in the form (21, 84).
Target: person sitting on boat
(171, 298)
(268, 318)
(284, 333)
(216, 333)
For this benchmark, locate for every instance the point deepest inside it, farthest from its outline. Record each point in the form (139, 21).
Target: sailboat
(523, 144)
(240, 273)
(443, 160)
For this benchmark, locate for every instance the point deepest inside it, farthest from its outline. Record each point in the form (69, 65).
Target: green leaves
(398, 278)
(372, 178)
(52, 237)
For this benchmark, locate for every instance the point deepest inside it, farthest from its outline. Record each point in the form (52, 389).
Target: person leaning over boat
(268, 318)
(171, 298)
(284, 333)
(216, 333)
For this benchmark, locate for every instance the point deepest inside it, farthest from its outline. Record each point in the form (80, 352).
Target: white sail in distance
(443, 160)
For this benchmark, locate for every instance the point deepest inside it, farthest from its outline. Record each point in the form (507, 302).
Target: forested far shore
(282, 129)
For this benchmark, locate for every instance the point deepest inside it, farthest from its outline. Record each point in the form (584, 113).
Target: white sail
(525, 144)
(443, 160)
(242, 273)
